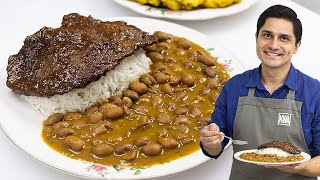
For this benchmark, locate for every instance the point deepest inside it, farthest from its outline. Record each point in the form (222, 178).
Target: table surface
(236, 33)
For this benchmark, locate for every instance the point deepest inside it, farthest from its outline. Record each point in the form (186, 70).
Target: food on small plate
(114, 94)
(188, 4)
(275, 151)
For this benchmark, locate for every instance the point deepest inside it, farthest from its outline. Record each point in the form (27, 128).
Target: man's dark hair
(282, 12)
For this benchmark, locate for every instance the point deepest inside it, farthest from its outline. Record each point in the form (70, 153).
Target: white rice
(277, 151)
(113, 83)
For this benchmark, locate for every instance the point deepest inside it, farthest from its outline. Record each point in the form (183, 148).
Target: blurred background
(313, 5)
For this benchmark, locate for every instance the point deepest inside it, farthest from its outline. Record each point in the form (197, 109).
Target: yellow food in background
(219, 3)
(188, 4)
(151, 2)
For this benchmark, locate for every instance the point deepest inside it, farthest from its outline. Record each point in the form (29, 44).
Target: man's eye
(284, 38)
(266, 35)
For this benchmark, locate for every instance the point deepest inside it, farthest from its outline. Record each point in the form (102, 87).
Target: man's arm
(210, 137)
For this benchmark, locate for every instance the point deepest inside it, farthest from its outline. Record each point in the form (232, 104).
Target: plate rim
(206, 13)
(89, 176)
(237, 157)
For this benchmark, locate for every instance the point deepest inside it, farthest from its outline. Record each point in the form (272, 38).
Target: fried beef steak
(56, 61)
(281, 145)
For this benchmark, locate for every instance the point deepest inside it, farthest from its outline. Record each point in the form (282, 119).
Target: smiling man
(272, 102)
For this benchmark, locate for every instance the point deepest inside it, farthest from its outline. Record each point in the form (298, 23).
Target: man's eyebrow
(285, 35)
(266, 31)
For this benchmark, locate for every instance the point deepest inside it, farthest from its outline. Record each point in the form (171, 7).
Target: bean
(145, 79)
(121, 149)
(98, 130)
(142, 120)
(155, 56)
(95, 117)
(163, 118)
(126, 110)
(130, 94)
(196, 112)
(53, 118)
(162, 36)
(181, 111)
(175, 80)
(169, 143)
(105, 107)
(91, 110)
(188, 79)
(114, 113)
(116, 100)
(141, 141)
(212, 83)
(194, 54)
(206, 60)
(102, 150)
(63, 132)
(210, 72)
(59, 125)
(74, 143)
(163, 45)
(138, 87)
(161, 77)
(168, 59)
(152, 149)
(188, 64)
(166, 88)
(151, 48)
(184, 43)
(127, 102)
(130, 155)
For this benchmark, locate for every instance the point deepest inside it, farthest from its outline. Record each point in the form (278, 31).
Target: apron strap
(252, 90)
(290, 95)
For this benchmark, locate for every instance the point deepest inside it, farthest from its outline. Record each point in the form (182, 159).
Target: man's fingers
(213, 127)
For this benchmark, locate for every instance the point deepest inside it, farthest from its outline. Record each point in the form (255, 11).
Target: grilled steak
(56, 61)
(281, 145)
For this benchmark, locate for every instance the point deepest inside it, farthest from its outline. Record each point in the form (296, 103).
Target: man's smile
(270, 53)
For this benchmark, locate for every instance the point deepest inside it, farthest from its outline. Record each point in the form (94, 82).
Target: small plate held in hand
(237, 157)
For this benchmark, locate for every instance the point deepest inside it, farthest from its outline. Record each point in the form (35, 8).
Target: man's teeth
(273, 54)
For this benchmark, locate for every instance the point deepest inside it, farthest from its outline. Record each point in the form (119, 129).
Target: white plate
(237, 156)
(198, 14)
(22, 124)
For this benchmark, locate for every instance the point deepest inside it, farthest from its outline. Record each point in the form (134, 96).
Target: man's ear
(297, 46)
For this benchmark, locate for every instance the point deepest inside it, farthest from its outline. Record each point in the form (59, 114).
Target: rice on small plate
(276, 151)
(113, 83)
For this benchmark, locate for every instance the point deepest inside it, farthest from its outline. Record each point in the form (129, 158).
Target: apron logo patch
(284, 119)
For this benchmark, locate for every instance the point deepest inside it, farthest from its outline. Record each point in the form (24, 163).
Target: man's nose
(274, 44)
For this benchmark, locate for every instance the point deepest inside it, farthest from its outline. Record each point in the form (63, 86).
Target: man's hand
(290, 169)
(211, 139)
(309, 168)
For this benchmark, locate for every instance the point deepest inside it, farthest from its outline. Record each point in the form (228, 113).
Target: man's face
(276, 43)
